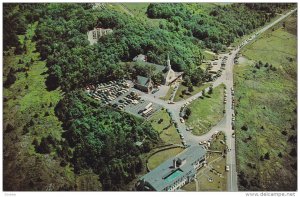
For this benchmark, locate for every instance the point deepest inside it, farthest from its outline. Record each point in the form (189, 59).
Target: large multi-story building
(175, 172)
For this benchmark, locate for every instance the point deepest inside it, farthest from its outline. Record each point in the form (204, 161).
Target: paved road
(231, 155)
(225, 123)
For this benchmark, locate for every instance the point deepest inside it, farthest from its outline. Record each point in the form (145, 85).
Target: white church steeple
(168, 63)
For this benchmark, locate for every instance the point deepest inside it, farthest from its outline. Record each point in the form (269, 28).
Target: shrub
(210, 91)
(160, 121)
(244, 128)
(267, 156)
(293, 152)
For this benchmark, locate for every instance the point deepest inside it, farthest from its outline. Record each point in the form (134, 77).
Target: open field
(161, 122)
(266, 134)
(139, 11)
(158, 158)
(206, 112)
(179, 96)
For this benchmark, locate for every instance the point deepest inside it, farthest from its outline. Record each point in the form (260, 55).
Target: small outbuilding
(144, 84)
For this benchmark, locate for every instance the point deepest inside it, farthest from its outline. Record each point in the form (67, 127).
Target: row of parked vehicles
(233, 115)
(131, 98)
(107, 92)
(223, 63)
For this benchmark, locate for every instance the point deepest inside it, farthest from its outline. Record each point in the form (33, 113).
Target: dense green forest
(48, 57)
(107, 147)
(104, 139)
(218, 27)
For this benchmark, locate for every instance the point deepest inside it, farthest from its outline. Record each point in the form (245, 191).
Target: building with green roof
(175, 172)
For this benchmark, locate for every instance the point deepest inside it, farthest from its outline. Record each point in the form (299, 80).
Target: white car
(227, 168)
(181, 120)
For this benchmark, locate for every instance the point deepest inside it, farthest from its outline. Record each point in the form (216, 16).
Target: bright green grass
(138, 9)
(179, 96)
(265, 103)
(207, 112)
(208, 56)
(28, 101)
(139, 12)
(29, 95)
(158, 158)
(168, 135)
(200, 8)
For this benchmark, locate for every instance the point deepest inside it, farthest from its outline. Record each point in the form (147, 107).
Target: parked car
(227, 168)
(233, 135)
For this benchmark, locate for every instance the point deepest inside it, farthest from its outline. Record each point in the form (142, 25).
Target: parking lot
(122, 96)
(217, 66)
(137, 109)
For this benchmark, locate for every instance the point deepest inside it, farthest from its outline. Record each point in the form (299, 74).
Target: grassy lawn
(207, 112)
(265, 134)
(216, 144)
(217, 162)
(166, 132)
(190, 186)
(158, 158)
(179, 96)
(168, 95)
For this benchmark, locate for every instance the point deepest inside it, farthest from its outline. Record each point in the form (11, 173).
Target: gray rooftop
(144, 81)
(165, 174)
(139, 57)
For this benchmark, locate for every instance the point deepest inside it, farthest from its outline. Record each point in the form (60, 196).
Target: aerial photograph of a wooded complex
(149, 96)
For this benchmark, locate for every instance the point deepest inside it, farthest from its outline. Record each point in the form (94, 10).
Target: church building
(169, 75)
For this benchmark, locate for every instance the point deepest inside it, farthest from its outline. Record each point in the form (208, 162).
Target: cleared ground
(139, 11)
(266, 113)
(206, 112)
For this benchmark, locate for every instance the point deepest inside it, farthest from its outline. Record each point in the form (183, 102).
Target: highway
(226, 123)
